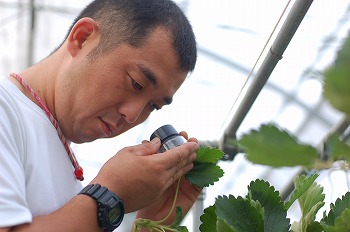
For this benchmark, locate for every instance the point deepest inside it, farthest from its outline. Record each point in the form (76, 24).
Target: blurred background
(231, 35)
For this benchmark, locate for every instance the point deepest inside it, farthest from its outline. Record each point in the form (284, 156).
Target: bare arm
(136, 174)
(79, 214)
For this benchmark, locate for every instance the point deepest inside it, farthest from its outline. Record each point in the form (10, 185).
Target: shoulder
(12, 177)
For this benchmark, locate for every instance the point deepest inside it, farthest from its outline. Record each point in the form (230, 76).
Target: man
(120, 60)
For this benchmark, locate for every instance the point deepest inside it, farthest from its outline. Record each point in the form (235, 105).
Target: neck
(41, 77)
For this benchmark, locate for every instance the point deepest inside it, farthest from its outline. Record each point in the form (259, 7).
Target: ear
(83, 30)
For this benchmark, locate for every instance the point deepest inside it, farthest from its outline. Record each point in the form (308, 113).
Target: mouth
(107, 128)
(112, 129)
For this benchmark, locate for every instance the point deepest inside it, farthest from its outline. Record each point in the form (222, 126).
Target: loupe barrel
(169, 137)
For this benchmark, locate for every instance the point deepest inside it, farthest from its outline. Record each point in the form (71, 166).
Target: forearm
(79, 214)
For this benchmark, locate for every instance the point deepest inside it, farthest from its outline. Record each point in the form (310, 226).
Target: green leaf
(209, 155)
(310, 202)
(309, 217)
(178, 218)
(301, 185)
(296, 226)
(257, 206)
(208, 220)
(239, 214)
(275, 216)
(337, 81)
(337, 149)
(342, 223)
(204, 174)
(336, 209)
(337, 88)
(223, 226)
(181, 229)
(205, 171)
(314, 227)
(274, 147)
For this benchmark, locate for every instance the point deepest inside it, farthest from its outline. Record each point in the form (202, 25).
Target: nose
(132, 110)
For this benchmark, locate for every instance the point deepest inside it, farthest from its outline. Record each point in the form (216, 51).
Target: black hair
(131, 21)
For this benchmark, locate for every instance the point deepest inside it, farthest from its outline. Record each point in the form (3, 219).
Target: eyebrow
(148, 74)
(151, 77)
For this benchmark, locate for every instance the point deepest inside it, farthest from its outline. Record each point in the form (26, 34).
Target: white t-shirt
(36, 175)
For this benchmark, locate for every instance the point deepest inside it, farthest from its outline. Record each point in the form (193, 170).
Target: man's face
(118, 90)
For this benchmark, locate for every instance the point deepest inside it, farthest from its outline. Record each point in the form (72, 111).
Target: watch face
(114, 214)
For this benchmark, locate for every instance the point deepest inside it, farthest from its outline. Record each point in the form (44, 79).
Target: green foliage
(341, 224)
(301, 186)
(314, 227)
(178, 218)
(337, 82)
(204, 174)
(208, 155)
(275, 215)
(337, 149)
(209, 219)
(261, 210)
(275, 147)
(338, 218)
(310, 201)
(239, 214)
(336, 209)
(205, 171)
(158, 226)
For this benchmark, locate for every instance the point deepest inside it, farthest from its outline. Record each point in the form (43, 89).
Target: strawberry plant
(204, 173)
(262, 208)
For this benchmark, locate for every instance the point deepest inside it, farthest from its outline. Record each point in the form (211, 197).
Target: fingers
(146, 147)
(185, 135)
(181, 154)
(179, 161)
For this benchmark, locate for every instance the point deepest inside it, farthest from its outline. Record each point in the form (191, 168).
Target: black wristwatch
(110, 211)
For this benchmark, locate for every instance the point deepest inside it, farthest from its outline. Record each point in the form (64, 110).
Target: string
(258, 59)
(78, 170)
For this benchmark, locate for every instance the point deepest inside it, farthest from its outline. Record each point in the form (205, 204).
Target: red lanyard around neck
(78, 170)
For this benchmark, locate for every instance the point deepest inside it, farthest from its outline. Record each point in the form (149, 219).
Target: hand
(138, 175)
(160, 208)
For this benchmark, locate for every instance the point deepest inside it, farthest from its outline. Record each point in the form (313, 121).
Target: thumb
(149, 147)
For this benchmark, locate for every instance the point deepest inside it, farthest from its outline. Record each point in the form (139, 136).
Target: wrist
(110, 208)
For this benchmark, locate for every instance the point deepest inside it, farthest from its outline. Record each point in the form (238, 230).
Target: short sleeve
(13, 206)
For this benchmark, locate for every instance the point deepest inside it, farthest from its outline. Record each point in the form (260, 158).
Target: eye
(136, 85)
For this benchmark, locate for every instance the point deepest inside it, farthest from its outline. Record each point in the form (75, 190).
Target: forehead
(159, 62)
(155, 59)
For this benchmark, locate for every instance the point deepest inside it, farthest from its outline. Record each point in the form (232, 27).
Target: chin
(85, 139)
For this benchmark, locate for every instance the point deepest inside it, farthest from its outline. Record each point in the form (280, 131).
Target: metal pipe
(288, 29)
(31, 36)
(197, 211)
(339, 129)
(285, 35)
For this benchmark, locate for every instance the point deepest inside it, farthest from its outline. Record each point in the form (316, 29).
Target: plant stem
(156, 225)
(174, 203)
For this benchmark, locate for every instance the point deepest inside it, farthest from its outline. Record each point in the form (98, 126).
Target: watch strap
(95, 191)
(106, 201)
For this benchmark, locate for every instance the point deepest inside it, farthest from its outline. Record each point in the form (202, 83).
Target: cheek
(143, 116)
(105, 98)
